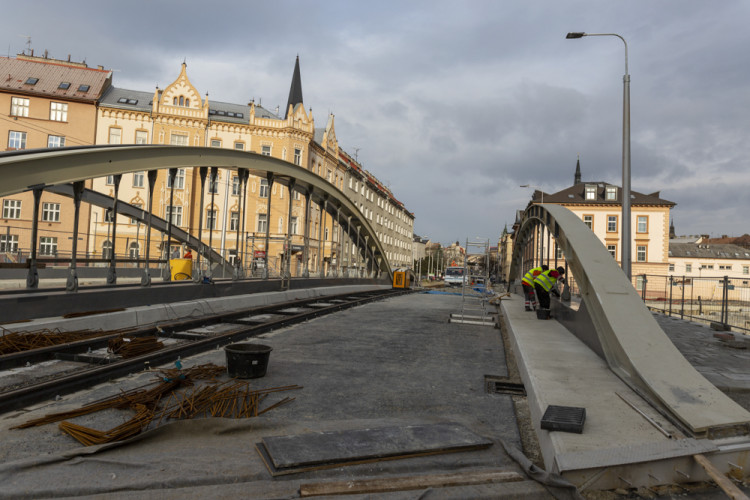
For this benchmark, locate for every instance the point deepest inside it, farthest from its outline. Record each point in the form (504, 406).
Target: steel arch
(24, 170)
(635, 347)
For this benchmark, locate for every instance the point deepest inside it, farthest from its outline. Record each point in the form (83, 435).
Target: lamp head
(575, 34)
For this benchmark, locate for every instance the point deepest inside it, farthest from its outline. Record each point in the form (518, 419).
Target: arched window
(133, 250)
(107, 250)
(174, 102)
(182, 101)
(187, 103)
(281, 224)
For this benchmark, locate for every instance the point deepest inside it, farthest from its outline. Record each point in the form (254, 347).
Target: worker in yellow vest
(544, 284)
(527, 283)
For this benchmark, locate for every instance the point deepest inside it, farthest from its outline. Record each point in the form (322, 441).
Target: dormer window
(590, 192)
(611, 193)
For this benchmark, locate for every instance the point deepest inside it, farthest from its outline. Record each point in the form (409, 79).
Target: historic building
(45, 103)
(599, 205)
(233, 224)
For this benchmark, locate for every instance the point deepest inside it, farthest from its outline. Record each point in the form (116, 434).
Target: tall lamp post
(541, 239)
(626, 242)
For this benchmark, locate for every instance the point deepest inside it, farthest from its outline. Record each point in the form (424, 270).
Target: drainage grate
(564, 418)
(501, 385)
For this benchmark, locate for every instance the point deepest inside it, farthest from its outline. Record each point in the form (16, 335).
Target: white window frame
(641, 250)
(211, 216)
(139, 179)
(590, 192)
(58, 111)
(115, 135)
(263, 190)
(611, 193)
(611, 223)
(11, 209)
(141, 137)
(19, 106)
(176, 139)
(173, 212)
(265, 150)
(297, 156)
(234, 221)
(55, 141)
(262, 223)
(16, 139)
(8, 243)
(642, 219)
(50, 212)
(48, 245)
(179, 179)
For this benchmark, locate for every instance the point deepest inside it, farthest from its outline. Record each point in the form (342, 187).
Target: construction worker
(544, 284)
(528, 286)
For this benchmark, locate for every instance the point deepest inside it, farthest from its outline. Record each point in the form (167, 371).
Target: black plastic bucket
(246, 360)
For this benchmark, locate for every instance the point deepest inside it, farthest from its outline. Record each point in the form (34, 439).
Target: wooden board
(389, 484)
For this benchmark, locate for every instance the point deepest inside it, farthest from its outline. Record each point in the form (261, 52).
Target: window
(213, 185)
(688, 268)
(281, 225)
(11, 209)
(107, 250)
(726, 267)
(84, 88)
(19, 106)
(178, 140)
(611, 223)
(707, 266)
(264, 188)
(51, 212)
(174, 213)
(179, 179)
(611, 193)
(110, 180)
(55, 141)
(325, 234)
(296, 195)
(745, 269)
(234, 221)
(58, 112)
(671, 268)
(642, 224)
(115, 136)
(108, 215)
(31, 81)
(293, 229)
(265, 150)
(589, 221)
(262, 223)
(48, 245)
(16, 140)
(235, 185)
(8, 242)
(64, 85)
(297, 156)
(239, 146)
(138, 179)
(141, 137)
(215, 143)
(210, 219)
(640, 253)
(590, 192)
(136, 205)
(639, 282)
(612, 249)
(133, 250)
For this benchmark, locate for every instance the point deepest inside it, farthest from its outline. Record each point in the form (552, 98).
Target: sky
(454, 104)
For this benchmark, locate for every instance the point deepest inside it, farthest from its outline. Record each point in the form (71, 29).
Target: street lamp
(626, 243)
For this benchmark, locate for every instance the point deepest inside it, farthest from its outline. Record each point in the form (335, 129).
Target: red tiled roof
(15, 72)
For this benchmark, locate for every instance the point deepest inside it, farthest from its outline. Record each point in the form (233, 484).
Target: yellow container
(400, 279)
(181, 269)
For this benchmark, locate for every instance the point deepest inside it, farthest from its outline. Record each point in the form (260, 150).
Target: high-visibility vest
(528, 278)
(547, 280)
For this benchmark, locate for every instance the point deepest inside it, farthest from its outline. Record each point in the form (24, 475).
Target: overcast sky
(454, 104)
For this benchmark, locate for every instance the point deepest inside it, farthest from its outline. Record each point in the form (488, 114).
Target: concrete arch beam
(636, 349)
(23, 170)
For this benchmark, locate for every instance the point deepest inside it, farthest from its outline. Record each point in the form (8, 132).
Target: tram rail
(91, 369)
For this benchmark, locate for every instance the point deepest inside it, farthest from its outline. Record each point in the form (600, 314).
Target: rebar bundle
(183, 399)
(129, 347)
(11, 342)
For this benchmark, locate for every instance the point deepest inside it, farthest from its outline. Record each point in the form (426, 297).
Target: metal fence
(723, 300)
(720, 299)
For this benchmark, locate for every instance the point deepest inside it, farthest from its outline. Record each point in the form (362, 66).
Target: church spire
(295, 91)
(578, 171)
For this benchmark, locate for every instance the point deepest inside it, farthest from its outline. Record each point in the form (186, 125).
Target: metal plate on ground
(295, 310)
(258, 319)
(564, 418)
(320, 305)
(291, 454)
(502, 385)
(216, 329)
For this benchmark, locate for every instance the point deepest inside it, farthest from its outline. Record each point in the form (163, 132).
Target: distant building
(46, 103)
(599, 205)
